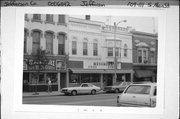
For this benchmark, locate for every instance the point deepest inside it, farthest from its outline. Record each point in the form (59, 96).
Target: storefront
(145, 73)
(36, 78)
(100, 74)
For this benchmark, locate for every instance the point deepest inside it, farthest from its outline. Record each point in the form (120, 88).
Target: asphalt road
(87, 100)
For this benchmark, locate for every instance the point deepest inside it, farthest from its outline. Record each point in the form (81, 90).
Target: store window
(53, 77)
(49, 42)
(42, 79)
(74, 47)
(85, 78)
(95, 78)
(25, 78)
(49, 18)
(61, 44)
(36, 41)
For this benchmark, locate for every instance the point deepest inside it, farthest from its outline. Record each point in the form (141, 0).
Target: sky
(143, 24)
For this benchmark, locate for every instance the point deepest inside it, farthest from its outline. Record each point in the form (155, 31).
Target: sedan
(138, 95)
(117, 88)
(84, 88)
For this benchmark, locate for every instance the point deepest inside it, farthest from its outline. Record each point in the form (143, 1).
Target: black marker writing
(91, 3)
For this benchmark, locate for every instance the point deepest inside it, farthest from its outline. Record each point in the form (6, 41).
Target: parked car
(84, 88)
(117, 88)
(143, 95)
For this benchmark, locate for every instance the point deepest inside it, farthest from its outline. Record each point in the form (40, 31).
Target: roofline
(144, 33)
(84, 21)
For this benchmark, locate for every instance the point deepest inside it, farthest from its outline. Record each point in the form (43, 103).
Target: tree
(40, 60)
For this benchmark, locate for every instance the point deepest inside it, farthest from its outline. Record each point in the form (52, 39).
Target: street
(87, 100)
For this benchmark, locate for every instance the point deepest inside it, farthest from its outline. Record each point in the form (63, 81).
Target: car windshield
(138, 89)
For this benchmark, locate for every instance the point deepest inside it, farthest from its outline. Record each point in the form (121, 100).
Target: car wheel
(116, 90)
(73, 92)
(93, 92)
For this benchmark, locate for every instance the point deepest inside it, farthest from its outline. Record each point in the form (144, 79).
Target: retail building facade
(145, 52)
(47, 32)
(92, 55)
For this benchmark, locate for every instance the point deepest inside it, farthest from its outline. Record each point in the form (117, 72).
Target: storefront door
(63, 80)
(108, 79)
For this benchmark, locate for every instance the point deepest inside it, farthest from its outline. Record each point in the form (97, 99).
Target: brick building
(145, 56)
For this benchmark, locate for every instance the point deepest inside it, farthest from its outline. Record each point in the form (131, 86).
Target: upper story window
(125, 50)
(36, 17)
(61, 19)
(110, 51)
(95, 48)
(74, 47)
(85, 46)
(49, 42)
(36, 41)
(49, 18)
(142, 55)
(110, 48)
(152, 57)
(61, 44)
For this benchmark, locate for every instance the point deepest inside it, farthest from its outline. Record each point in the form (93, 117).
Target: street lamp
(115, 59)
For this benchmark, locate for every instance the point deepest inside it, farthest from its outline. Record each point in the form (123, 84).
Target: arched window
(125, 50)
(36, 34)
(61, 43)
(49, 42)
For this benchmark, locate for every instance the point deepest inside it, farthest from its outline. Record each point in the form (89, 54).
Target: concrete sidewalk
(53, 93)
(32, 94)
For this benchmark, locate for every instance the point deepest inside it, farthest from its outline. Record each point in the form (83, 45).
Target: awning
(99, 71)
(144, 73)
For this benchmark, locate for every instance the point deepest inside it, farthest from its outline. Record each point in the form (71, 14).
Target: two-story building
(92, 53)
(47, 32)
(145, 49)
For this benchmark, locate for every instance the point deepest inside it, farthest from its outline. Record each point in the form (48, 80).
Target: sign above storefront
(100, 65)
(50, 65)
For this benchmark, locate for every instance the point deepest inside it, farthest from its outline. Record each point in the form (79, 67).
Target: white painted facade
(80, 29)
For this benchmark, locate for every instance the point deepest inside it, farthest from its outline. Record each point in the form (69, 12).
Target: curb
(48, 95)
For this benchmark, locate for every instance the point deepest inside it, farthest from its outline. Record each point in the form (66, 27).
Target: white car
(138, 95)
(84, 88)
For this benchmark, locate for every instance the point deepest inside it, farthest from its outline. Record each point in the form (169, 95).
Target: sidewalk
(53, 93)
(32, 94)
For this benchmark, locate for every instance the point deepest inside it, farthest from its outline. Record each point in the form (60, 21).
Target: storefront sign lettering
(30, 64)
(100, 65)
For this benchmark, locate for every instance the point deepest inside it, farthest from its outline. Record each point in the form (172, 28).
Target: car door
(84, 88)
(127, 96)
(142, 97)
